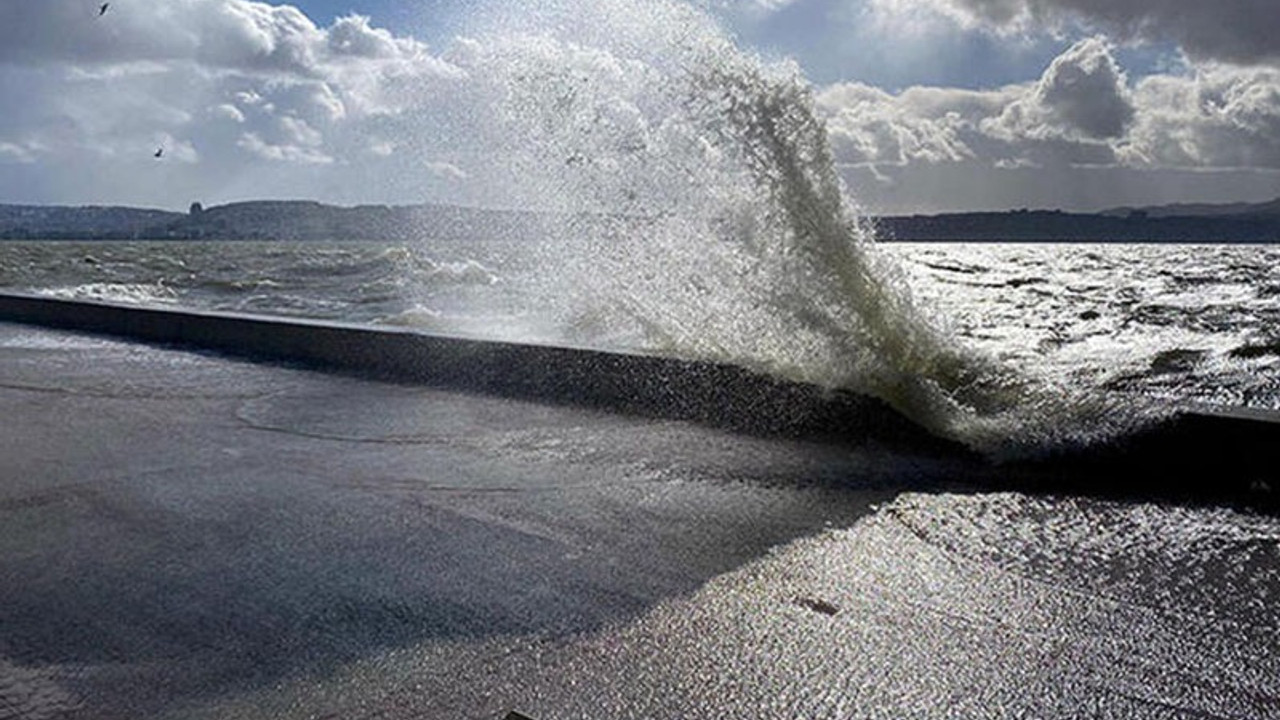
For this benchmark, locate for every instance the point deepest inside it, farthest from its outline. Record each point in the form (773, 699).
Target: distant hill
(264, 220)
(54, 222)
(1233, 223)
(306, 220)
(1271, 207)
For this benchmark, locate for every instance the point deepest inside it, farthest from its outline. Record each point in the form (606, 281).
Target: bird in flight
(159, 152)
(102, 10)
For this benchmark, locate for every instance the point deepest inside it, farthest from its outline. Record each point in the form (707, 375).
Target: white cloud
(869, 126)
(1014, 164)
(272, 50)
(267, 102)
(352, 35)
(254, 144)
(15, 153)
(767, 6)
(231, 84)
(176, 149)
(240, 35)
(298, 132)
(445, 171)
(1081, 112)
(1217, 116)
(227, 111)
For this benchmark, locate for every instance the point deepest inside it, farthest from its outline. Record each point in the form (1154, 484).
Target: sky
(929, 105)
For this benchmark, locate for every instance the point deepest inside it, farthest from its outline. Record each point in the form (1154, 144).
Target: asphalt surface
(180, 528)
(184, 535)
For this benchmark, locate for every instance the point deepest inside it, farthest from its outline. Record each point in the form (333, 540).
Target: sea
(1174, 322)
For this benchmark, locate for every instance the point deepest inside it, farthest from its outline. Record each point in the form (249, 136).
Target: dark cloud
(1085, 89)
(1236, 31)
(1082, 95)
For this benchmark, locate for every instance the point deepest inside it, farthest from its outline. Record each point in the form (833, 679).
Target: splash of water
(700, 213)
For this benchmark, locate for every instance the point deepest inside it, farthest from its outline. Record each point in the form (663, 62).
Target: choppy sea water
(1178, 322)
(1181, 322)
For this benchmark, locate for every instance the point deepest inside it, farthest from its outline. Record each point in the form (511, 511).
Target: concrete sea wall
(711, 393)
(1206, 453)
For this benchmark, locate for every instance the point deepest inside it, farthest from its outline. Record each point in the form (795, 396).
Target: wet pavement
(190, 536)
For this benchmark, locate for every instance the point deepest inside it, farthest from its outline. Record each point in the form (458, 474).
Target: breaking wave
(700, 213)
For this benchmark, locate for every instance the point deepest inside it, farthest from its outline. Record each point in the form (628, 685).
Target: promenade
(187, 535)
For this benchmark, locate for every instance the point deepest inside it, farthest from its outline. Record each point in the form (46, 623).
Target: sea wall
(716, 394)
(1209, 454)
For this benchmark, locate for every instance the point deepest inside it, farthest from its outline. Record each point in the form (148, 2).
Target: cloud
(1081, 135)
(15, 153)
(283, 152)
(266, 102)
(750, 8)
(176, 149)
(1068, 117)
(233, 85)
(1082, 95)
(354, 36)
(219, 33)
(228, 111)
(274, 53)
(255, 99)
(1235, 31)
(869, 126)
(1080, 112)
(240, 35)
(298, 132)
(1215, 117)
(972, 186)
(445, 171)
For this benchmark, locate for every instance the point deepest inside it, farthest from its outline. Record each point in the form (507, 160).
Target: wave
(136, 293)
(700, 211)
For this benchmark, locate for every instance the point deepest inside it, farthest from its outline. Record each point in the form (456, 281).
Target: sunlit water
(1178, 322)
(1181, 322)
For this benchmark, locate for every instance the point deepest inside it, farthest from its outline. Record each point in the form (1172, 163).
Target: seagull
(159, 152)
(103, 9)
